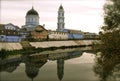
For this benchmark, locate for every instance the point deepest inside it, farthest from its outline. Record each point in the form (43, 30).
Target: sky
(84, 15)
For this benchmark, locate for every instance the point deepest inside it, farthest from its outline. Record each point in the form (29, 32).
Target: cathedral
(33, 30)
(32, 19)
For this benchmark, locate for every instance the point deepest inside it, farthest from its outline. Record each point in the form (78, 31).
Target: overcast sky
(85, 15)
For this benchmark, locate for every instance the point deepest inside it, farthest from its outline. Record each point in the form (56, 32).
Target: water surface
(65, 65)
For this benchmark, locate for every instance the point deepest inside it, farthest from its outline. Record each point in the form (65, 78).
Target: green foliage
(110, 37)
(112, 14)
(110, 42)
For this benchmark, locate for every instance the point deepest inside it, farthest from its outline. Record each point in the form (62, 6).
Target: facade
(9, 33)
(24, 34)
(57, 35)
(39, 33)
(32, 20)
(74, 34)
(60, 24)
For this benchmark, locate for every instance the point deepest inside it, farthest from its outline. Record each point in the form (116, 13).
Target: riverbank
(37, 47)
(45, 44)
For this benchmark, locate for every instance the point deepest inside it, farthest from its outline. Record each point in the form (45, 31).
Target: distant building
(32, 20)
(88, 35)
(9, 33)
(74, 34)
(39, 33)
(9, 26)
(60, 24)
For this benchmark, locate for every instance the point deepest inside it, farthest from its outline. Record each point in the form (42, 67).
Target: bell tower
(60, 24)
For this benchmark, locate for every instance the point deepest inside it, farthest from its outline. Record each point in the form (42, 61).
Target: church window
(59, 14)
(63, 25)
(2, 36)
(62, 14)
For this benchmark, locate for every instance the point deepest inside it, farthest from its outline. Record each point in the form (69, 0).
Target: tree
(112, 14)
(110, 37)
(108, 62)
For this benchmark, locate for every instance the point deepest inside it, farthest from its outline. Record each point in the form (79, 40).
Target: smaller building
(10, 26)
(88, 35)
(74, 34)
(9, 33)
(38, 34)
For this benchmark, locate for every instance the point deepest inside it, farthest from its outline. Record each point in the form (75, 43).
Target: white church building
(32, 20)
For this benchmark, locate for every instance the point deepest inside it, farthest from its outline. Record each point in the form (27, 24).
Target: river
(77, 64)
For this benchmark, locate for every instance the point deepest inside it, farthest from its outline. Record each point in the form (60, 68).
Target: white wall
(57, 35)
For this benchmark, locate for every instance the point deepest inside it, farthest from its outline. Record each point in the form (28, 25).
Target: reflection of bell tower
(60, 68)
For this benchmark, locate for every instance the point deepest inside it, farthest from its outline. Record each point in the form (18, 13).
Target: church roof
(61, 7)
(32, 12)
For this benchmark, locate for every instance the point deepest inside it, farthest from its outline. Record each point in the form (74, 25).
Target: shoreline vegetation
(32, 50)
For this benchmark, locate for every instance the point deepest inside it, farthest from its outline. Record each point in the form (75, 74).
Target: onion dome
(32, 12)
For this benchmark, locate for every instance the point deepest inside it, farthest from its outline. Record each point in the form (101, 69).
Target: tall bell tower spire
(60, 24)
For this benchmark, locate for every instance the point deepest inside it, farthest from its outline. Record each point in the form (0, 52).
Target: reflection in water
(107, 67)
(9, 65)
(33, 63)
(60, 68)
(61, 57)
